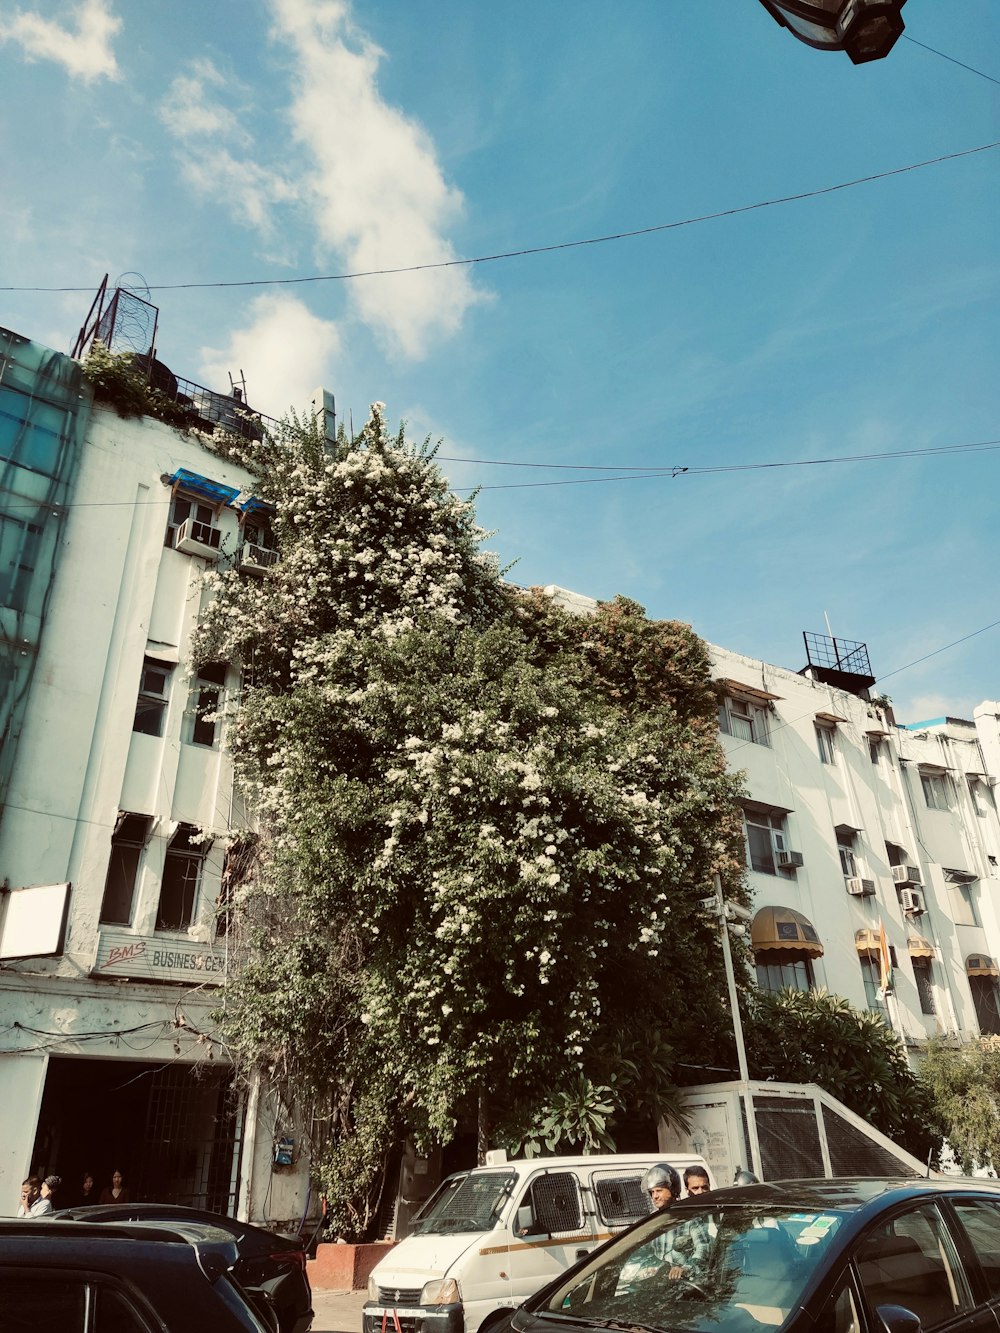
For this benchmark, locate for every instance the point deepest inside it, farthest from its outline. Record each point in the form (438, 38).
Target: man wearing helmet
(684, 1246)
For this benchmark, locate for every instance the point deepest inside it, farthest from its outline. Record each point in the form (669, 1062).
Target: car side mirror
(898, 1319)
(525, 1222)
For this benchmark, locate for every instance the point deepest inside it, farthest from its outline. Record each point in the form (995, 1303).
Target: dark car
(73, 1277)
(813, 1256)
(264, 1263)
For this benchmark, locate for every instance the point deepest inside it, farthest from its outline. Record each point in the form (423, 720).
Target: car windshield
(732, 1270)
(470, 1202)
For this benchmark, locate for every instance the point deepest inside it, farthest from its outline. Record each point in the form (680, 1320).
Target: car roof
(843, 1193)
(170, 1213)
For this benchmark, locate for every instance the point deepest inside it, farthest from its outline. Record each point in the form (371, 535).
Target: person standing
(30, 1189)
(42, 1207)
(696, 1181)
(88, 1194)
(117, 1193)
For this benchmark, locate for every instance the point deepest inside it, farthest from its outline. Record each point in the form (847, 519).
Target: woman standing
(117, 1192)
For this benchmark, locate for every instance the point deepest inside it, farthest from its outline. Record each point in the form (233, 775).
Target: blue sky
(199, 143)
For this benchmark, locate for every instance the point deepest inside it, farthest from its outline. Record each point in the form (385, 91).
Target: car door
(551, 1231)
(910, 1258)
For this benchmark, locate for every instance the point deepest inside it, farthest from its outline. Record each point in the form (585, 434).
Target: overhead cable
(548, 249)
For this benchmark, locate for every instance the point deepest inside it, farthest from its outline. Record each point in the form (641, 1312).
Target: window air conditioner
(789, 860)
(906, 875)
(911, 902)
(860, 888)
(195, 538)
(257, 559)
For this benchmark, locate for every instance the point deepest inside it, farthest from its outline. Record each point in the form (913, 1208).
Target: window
(875, 749)
(552, 1203)
(981, 794)
(911, 1261)
(154, 691)
(765, 839)
(846, 844)
(986, 998)
(923, 975)
(258, 533)
(773, 977)
(204, 703)
(871, 975)
(744, 720)
(240, 857)
(963, 905)
(937, 790)
(181, 877)
(824, 740)
(981, 1220)
(127, 842)
(183, 508)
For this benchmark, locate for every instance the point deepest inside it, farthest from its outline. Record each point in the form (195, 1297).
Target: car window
(981, 1221)
(910, 1260)
(41, 1304)
(840, 1313)
(551, 1204)
(115, 1314)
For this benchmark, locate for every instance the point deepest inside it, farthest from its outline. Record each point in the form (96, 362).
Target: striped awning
(981, 965)
(866, 941)
(919, 947)
(784, 932)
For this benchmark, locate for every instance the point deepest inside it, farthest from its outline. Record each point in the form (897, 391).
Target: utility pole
(727, 912)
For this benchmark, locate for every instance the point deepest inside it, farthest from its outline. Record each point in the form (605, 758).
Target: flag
(885, 959)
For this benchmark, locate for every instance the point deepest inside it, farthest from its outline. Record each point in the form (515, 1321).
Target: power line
(951, 59)
(548, 249)
(954, 644)
(638, 474)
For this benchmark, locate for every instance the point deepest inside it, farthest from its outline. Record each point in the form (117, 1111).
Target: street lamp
(865, 29)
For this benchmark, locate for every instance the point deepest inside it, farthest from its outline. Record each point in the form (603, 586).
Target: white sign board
(33, 921)
(157, 958)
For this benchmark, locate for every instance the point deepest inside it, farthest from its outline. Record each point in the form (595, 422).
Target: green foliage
(117, 379)
(964, 1083)
(486, 826)
(815, 1037)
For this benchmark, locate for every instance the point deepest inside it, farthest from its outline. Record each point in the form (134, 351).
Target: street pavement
(338, 1311)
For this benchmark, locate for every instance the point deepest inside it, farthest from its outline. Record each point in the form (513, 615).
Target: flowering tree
(485, 824)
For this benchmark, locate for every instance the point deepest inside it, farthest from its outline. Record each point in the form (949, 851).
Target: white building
(111, 766)
(855, 826)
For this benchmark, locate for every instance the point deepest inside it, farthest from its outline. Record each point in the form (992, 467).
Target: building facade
(118, 807)
(872, 848)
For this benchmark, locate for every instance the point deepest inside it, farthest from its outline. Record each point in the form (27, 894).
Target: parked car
(264, 1262)
(75, 1277)
(820, 1256)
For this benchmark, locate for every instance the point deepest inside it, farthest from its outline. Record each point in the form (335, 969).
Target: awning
(919, 947)
(981, 965)
(784, 932)
(866, 941)
(738, 690)
(830, 717)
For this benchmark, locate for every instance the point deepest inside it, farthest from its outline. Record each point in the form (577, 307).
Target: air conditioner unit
(911, 902)
(196, 538)
(257, 559)
(860, 888)
(789, 860)
(906, 875)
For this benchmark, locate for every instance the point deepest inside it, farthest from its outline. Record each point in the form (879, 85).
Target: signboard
(157, 958)
(33, 921)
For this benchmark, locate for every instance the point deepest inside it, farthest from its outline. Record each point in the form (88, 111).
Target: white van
(492, 1236)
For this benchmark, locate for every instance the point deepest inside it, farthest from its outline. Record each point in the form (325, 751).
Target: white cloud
(82, 46)
(284, 350)
(375, 190)
(217, 159)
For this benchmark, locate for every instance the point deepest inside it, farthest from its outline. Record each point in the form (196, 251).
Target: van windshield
(470, 1202)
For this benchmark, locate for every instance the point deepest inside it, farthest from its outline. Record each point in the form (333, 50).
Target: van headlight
(372, 1287)
(442, 1292)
